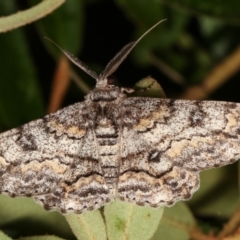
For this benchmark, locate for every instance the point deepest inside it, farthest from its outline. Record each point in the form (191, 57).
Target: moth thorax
(106, 94)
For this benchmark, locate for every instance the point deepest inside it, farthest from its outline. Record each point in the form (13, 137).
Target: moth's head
(104, 82)
(105, 91)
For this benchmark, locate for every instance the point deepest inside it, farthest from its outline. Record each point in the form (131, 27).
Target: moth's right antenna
(122, 54)
(76, 61)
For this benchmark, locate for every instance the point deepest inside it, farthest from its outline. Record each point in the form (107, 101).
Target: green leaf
(229, 10)
(25, 17)
(45, 237)
(3, 236)
(87, 226)
(27, 217)
(148, 87)
(176, 223)
(124, 219)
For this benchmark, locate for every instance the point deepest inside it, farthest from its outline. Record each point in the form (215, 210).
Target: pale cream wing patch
(51, 160)
(169, 142)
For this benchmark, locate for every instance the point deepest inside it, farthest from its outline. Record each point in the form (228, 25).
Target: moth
(143, 150)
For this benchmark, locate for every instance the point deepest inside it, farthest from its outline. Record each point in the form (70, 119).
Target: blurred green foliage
(227, 10)
(179, 53)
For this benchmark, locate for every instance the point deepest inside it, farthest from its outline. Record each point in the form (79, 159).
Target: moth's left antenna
(76, 61)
